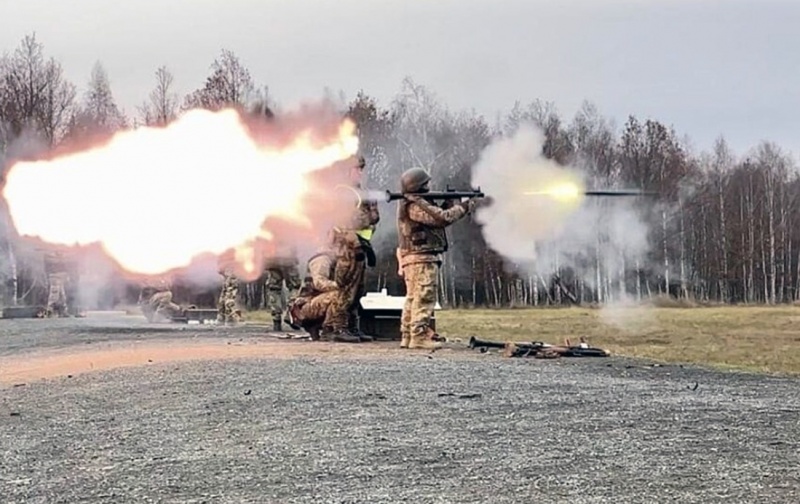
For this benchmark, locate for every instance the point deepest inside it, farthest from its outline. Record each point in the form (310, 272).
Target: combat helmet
(413, 180)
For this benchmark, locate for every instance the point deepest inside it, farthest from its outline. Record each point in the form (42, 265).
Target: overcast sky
(706, 67)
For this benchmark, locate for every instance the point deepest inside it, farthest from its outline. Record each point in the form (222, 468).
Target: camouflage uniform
(228, 305)
(321, 302)
(361, 227)
(57, 295)
(422, 241)
(57, 279)
(280, 269)
(155, 299)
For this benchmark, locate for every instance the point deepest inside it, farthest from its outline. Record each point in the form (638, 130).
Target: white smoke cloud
(545, 232)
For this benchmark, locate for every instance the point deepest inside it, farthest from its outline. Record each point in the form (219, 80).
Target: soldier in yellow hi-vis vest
(362, 224)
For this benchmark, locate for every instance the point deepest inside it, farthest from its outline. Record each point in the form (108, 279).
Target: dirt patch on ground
(50, 363)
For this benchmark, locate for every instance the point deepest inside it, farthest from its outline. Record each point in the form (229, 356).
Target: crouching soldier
(322, 304)
(155, 300)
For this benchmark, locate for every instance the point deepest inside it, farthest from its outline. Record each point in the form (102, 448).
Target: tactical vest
(418, 238)
(307, 288)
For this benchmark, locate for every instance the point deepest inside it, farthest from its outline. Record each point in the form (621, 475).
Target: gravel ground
(375, 424)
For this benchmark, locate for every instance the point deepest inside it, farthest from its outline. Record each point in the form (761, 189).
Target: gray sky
(707, 67)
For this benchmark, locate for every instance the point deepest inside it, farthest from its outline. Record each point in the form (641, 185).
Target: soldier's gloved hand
(468, 205)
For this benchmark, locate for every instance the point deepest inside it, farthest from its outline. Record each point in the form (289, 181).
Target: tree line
(723, 227)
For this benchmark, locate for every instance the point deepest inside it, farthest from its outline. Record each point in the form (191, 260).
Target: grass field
(765, 339)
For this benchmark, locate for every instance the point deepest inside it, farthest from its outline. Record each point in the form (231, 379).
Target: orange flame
(156, 198)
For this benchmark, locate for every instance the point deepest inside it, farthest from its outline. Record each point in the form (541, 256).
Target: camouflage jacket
(320, 274)
(153, 285)
(421, 228)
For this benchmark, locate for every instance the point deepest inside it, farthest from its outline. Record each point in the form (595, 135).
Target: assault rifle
(539, 349)
(447, 194)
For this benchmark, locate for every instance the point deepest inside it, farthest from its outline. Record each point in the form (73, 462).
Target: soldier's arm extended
(319, 270)
(425, 212)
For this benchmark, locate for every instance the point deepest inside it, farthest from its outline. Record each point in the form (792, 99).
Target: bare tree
(99, 113)
(34, 95)
(558, 143)
(229, 85)
(36, 102)
(161, 107)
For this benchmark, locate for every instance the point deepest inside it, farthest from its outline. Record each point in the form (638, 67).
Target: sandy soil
(71, 361)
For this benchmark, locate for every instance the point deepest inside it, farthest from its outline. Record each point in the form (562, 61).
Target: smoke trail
(540, 219)
(506, 170)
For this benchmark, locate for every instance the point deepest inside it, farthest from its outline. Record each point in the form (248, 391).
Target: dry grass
(258, 316)
(764, 339)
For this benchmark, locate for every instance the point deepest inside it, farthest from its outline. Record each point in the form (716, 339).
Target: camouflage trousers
(57, 295)
(276, 277)
(350, 274)
(228, 304)
(359, 291)
(421, 286)
(327, 309)
(160, 305)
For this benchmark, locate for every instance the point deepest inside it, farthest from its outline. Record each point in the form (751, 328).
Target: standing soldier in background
(281, 267)
(362, 225)
(55, 267)
(422, 235)
(228, 311)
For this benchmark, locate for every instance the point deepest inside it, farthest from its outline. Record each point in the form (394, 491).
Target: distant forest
(725, 227)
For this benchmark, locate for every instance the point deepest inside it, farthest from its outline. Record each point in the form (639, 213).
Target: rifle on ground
(539, 349)
(447, 194)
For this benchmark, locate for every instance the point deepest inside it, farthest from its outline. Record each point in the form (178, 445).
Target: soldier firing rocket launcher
(566, 190)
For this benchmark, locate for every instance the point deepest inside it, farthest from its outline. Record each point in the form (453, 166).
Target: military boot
(405, 339)
(363, 337)
(425, 340)
(339, 336)
(355, 328)
(276, 325)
